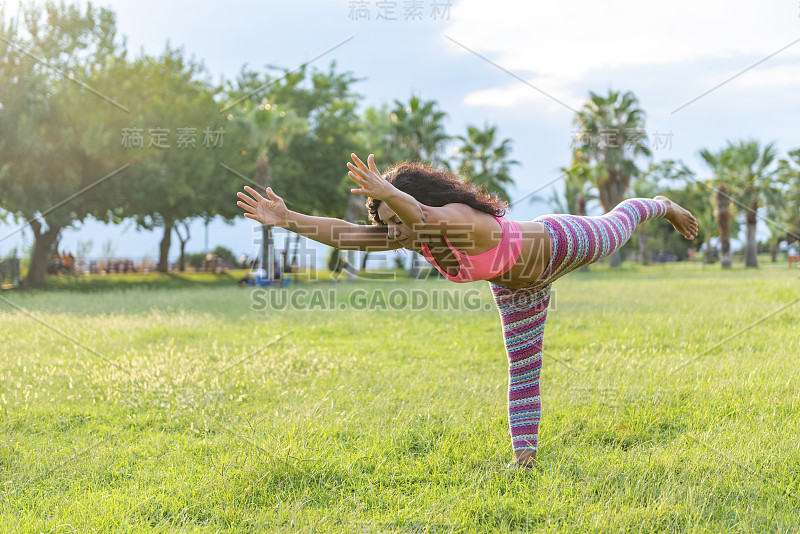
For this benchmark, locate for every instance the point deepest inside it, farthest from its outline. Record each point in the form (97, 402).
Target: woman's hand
(369, 178)
(270, 211)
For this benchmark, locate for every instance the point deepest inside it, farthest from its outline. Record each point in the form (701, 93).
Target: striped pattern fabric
(577, 241)
(523, 313)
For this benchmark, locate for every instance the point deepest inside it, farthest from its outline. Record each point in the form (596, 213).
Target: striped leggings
(576, 241)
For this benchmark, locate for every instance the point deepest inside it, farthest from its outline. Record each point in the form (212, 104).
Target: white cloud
(557, 45)
(768, 77)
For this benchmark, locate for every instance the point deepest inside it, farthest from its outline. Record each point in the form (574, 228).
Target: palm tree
(614, 125)
(756, 184)
(789, 176)
(417, 134)
(417, 131)
(776, 230)
(704, 213)
(269, 129)
(721, 164)
(578, 189)
(482, 161)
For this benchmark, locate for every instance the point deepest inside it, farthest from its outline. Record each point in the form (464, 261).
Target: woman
(461, 231)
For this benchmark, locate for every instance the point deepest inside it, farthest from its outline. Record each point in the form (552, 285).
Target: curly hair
(436, 187)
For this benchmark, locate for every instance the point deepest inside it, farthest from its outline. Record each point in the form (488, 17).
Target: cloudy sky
(704, 72)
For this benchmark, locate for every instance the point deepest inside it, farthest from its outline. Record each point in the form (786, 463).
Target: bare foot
(680, 218)
(526, 458)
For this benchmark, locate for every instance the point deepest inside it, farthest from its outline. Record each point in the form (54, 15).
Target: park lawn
(671, 402)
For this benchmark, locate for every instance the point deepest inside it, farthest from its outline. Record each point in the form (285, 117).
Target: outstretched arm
(373, 184)
(453, 220)
(271, 210)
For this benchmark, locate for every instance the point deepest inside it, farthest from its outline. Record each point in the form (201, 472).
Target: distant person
(210, 262)
(247, 280)
(461, 230)
(56, 264)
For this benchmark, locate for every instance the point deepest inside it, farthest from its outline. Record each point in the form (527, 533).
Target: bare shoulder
(454, 219)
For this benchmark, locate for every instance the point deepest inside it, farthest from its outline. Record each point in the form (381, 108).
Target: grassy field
(671, 403)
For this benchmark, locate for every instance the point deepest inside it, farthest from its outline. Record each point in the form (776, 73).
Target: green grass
(176, 409)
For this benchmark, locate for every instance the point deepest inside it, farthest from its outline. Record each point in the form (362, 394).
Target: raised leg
(579, 241)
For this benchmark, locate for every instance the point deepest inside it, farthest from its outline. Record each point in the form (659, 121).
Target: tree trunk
(267, 257)
(296, 248)
(183, 241)
(351, 273)
(415, 269)
(166, 241)
(286, 268)
(773, 251)
(580, 205)
(264, 178)
(364, 261)
(723, 205)
(751, 254)
(181, 261)
(615, 259)
(612, 192)
(43, 248)
(354, 207)
(335, 261)
(709, 252)
(643, 247)
(794, 235)
(581, 211)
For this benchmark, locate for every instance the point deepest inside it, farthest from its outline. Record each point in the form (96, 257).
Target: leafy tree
(57, 115)
(611, 129)
(175, 175)
(310, 171)
(225, 254)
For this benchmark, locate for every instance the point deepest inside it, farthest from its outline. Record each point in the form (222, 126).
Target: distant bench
(794, 259)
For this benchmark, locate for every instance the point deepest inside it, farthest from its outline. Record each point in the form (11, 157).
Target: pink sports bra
(491, 263)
